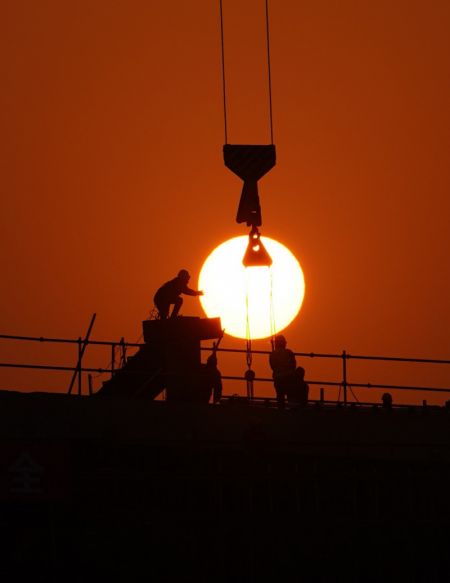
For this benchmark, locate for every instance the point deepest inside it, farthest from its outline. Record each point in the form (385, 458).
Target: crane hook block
(256, 255)
(250, 163)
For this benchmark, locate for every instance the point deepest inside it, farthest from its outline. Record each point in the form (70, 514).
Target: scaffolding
(82, 375)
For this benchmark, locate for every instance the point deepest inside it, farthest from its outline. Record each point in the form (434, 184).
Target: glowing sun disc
(260, 300)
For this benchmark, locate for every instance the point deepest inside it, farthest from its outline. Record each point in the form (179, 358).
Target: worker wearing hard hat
(170, 292)
(283, 364)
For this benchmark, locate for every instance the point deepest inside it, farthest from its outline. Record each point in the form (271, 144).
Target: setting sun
(258, 300)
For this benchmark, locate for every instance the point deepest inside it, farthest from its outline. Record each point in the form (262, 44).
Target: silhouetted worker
(387, 400)
(215, 376)
(283, 364)
(199, 386)
(300, 389)
(170, 292)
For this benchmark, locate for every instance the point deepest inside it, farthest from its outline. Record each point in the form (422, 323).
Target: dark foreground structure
(93, 489)
(122, 487)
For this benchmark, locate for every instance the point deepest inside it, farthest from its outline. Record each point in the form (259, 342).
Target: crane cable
(273, 328)
(269, 73)
(224, 92)
(249, 356)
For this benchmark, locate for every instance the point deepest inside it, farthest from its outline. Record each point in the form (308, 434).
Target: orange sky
(112, 176)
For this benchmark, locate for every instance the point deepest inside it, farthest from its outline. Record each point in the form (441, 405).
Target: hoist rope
(223, 74)
(268, 71)
(248, 355)
(272, 323)
(269, 74)
(273, 327)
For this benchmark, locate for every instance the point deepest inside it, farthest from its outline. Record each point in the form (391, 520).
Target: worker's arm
(191, 292)
(271, 360)
(293, 360)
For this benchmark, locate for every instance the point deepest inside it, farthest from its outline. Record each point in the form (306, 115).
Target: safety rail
(343, 383)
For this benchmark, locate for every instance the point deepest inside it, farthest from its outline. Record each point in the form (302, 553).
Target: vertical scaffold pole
(113, 359)
(83, 346)
(344, 375)
(123, 352)
(80, 360)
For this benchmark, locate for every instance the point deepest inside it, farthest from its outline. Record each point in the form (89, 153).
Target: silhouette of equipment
(170, 360)
(256, 255)
(250, 163)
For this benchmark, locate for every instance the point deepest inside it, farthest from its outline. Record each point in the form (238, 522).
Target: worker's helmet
(280, 341)
(184, 274)
(387, 400)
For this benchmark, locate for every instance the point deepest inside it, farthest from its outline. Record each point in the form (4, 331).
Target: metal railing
(118, 351)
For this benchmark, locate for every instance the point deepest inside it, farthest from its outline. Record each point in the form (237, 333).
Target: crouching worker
(170, 293)
(299, 393)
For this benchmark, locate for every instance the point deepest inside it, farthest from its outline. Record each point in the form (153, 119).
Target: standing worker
(301, 391)
(215, 376)
(283, 364)
(170, 293)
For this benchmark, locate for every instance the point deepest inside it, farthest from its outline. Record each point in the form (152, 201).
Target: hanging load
(250, 163)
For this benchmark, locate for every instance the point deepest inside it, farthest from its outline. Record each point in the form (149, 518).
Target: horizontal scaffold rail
(340, 355)
(122, 346)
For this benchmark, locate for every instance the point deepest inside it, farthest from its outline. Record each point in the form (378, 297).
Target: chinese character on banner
(25, 475)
